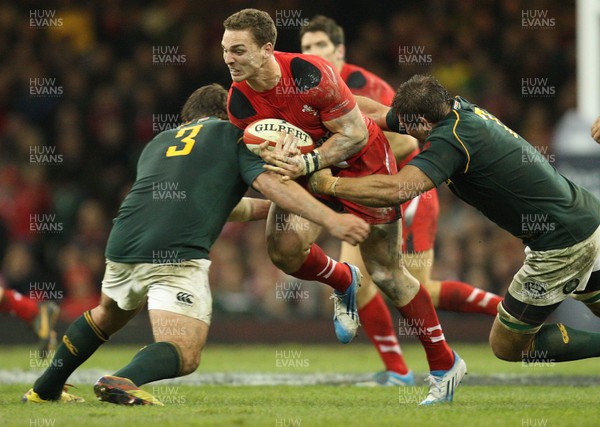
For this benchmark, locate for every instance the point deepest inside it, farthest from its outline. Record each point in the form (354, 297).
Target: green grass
(497, 405)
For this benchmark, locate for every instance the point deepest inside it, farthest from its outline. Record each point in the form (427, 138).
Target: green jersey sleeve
(251, 165)
(440, 160)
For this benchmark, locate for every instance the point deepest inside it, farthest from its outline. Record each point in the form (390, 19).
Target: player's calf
(186, 334)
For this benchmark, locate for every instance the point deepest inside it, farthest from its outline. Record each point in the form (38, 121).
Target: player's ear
(268, 49)
(340, 51)
(425, 124)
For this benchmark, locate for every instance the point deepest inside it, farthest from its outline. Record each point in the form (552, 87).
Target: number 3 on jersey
(189, 141)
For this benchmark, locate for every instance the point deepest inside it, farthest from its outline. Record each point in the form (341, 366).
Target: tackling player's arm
(381, 114)
(373, 109)
(402, 145)
(250, 209)
(291, 197)
(374, 190)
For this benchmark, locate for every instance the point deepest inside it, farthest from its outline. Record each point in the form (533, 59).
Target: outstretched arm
(250, 209)
(373, 109)
(374, 190)
(290, 196)
(402, 145)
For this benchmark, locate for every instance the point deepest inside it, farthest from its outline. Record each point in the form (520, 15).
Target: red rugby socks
(318, 266)
(462, 297)
(420, 319)
(377, 323)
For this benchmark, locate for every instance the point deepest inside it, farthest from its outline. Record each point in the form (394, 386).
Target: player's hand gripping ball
(270, 130)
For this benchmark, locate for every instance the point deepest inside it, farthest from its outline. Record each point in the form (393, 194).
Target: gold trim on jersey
(459, 140)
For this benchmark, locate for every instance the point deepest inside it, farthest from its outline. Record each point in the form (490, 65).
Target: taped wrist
(312, 161)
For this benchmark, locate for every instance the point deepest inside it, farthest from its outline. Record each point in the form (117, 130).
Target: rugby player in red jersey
(306, 91)
(325, 38)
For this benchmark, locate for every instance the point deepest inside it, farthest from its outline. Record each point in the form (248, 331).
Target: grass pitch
(495, 393)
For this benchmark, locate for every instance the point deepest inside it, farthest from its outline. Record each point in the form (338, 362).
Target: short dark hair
(328, 26)
(258, 22)
(421, 96)
(210, 100)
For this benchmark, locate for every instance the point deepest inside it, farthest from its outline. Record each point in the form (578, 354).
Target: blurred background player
(325, 38)
(303, 90)
(41, 317)
(158, 250)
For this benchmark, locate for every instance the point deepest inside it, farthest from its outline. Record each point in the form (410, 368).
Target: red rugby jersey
(365, 83)
(310, 91)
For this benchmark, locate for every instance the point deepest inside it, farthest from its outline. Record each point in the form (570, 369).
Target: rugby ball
(263, 130)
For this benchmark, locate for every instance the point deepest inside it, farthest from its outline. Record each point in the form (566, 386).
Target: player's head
(420, 103)
(210, 100)
(248, 42)
(325, 38)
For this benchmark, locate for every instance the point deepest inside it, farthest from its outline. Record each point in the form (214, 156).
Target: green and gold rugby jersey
(188, 181)
(492, 168)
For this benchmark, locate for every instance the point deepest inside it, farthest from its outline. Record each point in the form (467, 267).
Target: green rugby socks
(81, 340)
(559, 343)
(154, 362)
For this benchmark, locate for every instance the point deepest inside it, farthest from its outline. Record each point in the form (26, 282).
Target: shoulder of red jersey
(354, 76)
(239, 106)
(364, 82)
(305, 72)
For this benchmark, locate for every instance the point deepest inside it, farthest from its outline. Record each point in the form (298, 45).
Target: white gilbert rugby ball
(263, 130)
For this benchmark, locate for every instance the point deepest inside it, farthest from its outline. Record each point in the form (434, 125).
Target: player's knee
(190, 360)
(504, 350)
(397, 285)
(504, 353)
(288, 256)
(190, 364)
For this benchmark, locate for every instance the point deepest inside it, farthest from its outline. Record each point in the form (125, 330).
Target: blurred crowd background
(104, 95)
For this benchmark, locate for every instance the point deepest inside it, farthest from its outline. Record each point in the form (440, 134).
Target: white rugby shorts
(180, 288)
